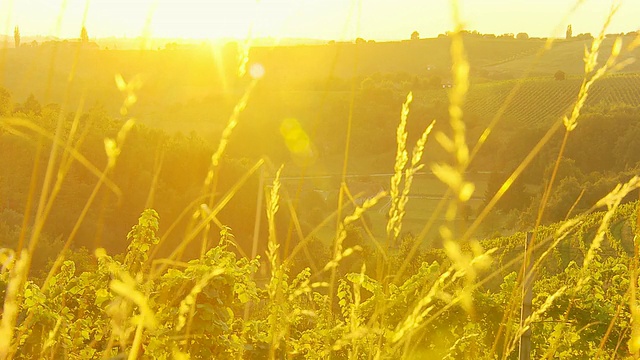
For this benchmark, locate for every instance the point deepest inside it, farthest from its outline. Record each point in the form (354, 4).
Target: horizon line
(219, 39)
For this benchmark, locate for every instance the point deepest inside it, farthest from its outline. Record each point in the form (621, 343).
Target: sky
(320, 19)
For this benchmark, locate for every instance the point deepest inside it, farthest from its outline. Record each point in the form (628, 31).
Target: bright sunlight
(318, 19)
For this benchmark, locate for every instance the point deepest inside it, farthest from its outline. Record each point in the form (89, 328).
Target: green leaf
(102, 295)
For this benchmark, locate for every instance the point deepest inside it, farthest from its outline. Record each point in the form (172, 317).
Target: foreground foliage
(214, 307)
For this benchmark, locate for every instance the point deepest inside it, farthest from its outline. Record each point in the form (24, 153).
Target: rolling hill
(541, 100)
(565, 55)
(194, 88)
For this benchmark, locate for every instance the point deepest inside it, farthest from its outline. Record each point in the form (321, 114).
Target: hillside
(565, 55)
(416, 57)
(541, 100)
(194, 88)
(176, 80)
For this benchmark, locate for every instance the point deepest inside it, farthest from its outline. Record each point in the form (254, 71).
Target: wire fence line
(363, 175)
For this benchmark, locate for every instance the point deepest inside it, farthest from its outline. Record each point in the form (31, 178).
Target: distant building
(446, 84)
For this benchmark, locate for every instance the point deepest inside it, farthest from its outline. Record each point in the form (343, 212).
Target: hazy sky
(325, 19)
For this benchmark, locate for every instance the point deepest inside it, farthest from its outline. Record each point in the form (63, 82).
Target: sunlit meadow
(316, 180)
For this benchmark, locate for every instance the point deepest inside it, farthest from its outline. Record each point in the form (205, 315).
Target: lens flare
(297, 141)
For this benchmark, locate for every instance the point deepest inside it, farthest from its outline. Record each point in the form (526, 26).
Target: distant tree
(16, 36)
(627, 148)
(569, 32)
(517, 196)
(522, 36)
(367, 84)
(474, 33)
(84, 37)
(584, 36)
(415, 35)
(416, 83)
(5, 102)
(506, 36)
(31, 106)
(360, 40)
(562, 199)
(560, 75)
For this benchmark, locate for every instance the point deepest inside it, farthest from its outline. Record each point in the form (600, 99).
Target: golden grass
(16, 281)
(399, 191)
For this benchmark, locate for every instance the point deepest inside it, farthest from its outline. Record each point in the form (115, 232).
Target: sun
(195, 19)
(200, 19)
